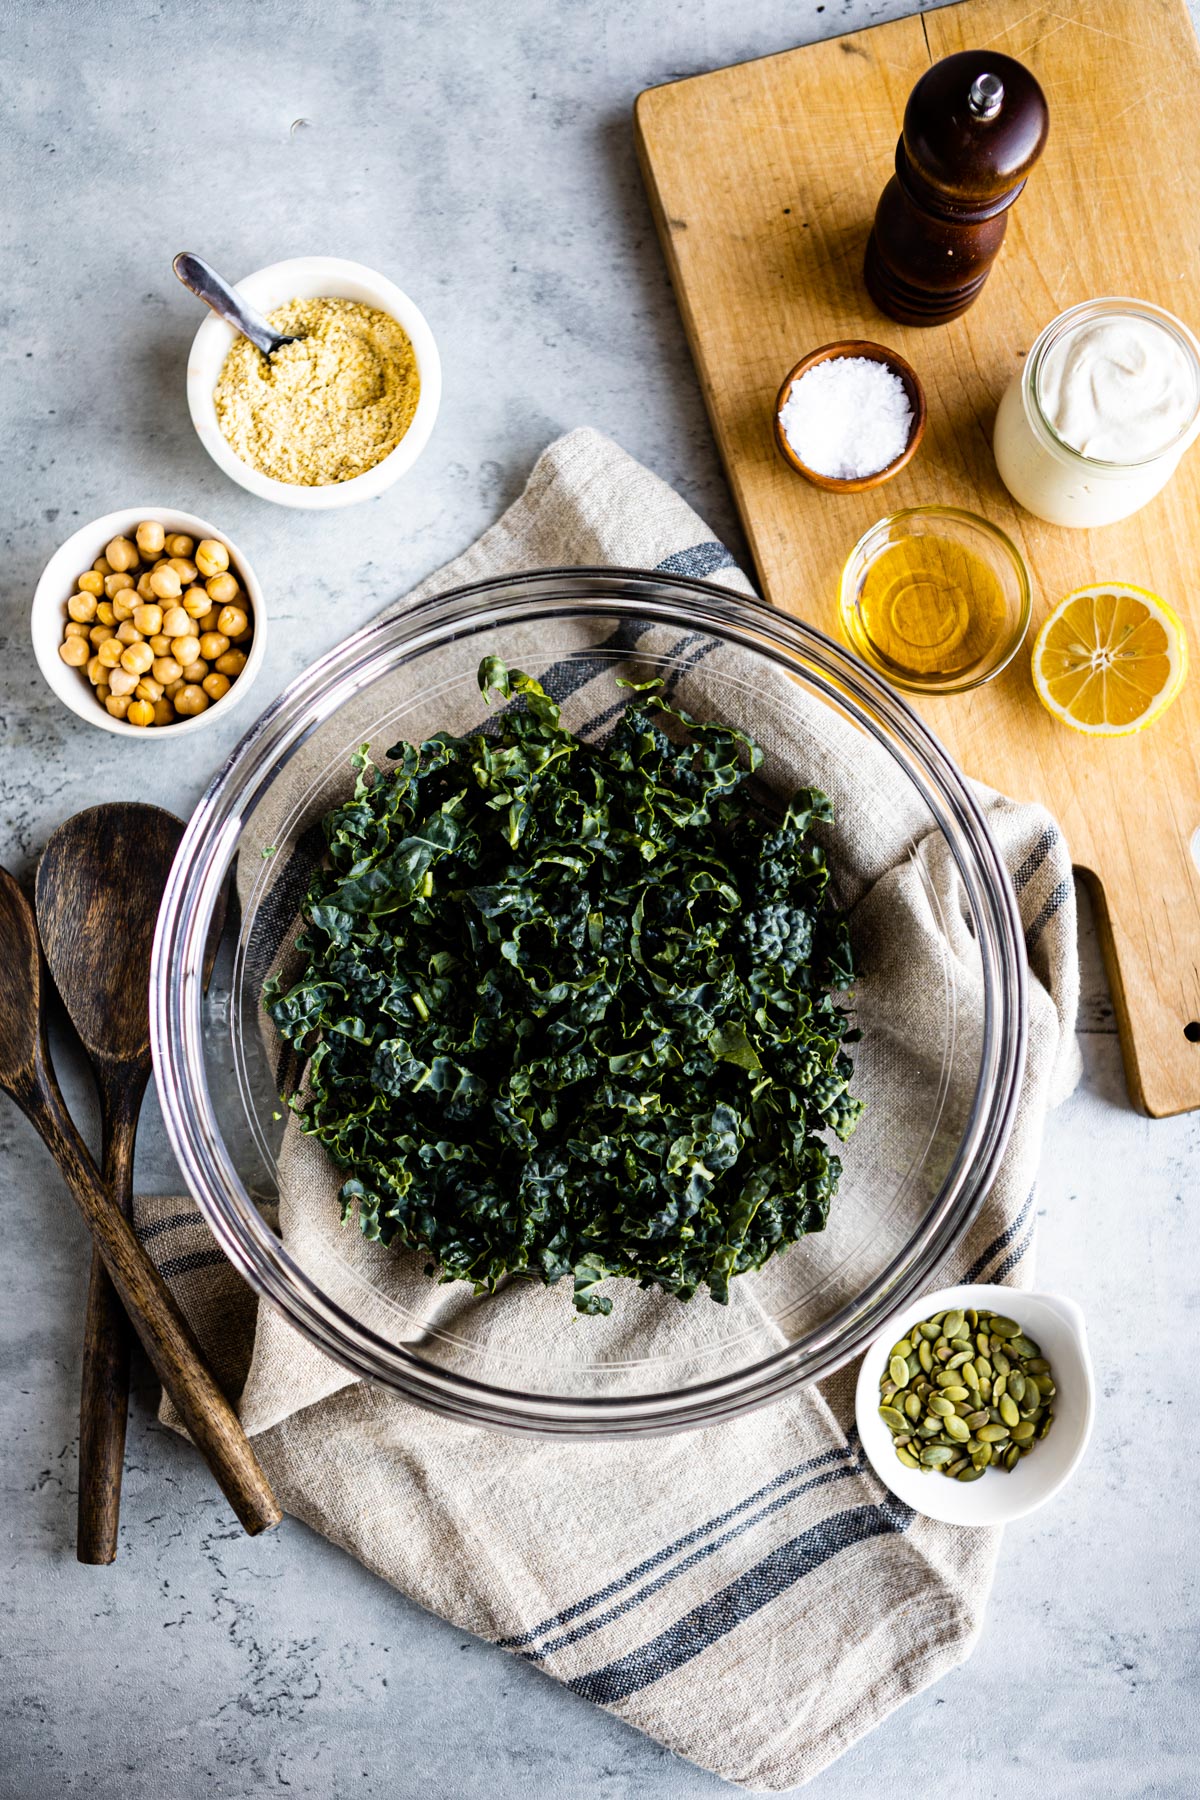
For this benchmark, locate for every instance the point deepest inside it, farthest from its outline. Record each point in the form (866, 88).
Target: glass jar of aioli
(1095, 423)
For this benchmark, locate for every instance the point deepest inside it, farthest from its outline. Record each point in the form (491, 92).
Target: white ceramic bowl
(314, 278)
(1056, 1325)
(49, 615)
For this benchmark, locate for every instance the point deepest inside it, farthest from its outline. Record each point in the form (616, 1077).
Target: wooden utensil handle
(103, 1410)
(104, 1388)
(174, 1352)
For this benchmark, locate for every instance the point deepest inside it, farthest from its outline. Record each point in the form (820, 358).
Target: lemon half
(1110, 659)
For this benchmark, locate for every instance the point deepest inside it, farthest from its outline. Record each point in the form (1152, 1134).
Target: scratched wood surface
(764, 179)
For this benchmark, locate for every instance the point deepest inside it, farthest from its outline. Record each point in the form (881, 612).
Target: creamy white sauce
(1117, 389)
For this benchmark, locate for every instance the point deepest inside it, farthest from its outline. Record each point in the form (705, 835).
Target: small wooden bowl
(874, 353)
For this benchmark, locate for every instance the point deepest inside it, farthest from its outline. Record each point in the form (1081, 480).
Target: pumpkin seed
(1009, 1412)
(1003, 1328)
(954, 1392)
(1023, 1432)
(892, 1417)
(936, 1456)
(981, 1342)
(983, 1368)
(1001, 1363)
(958, 1359)
(903, 1348)
(898, 1370)
(976, 1419)
(982, 1457)
(940, 1406)
(1024, 1346)
(1012, 1456)
(960, 1462)
(929, 1331)
(907, 1458)
(925, 1355)
(1016, 1386)
(929, 1427)
(1037, 1365)
(992, 1434)
(954, 1428)
(970, 1374)
(985, 1388)
(972, 1472)
(912, 1406)
(1045, 1386)
(999, 1387)
(952, 1324)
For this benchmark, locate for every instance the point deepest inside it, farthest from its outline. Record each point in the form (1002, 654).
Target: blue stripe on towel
(650, 1563)
(780, 1570)
(1001, 1242)
(698, 560)
(689, 1562)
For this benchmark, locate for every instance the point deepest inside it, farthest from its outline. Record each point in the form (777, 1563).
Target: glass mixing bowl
(941, 1004)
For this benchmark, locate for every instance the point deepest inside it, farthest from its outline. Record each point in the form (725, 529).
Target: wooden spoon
(99, 888)
(27, 1075)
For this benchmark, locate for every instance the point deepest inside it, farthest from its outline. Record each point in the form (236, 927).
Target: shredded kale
(569, 1008)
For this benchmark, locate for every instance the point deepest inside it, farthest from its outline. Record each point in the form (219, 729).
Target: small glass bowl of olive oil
(935, 598)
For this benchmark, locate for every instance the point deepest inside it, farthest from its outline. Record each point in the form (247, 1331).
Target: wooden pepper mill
(974, 126)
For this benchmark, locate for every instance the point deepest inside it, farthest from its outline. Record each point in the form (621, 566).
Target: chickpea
(191, 700)
(110, 651)
(212, 558)
(103, 691)
(165, 582)
(164, 712)
(222, 588)
(121, 554)
(97, 673)
(232, 621)
(194, 672)
(186, 649)
(213, 644)
(102, 566)
(138, 659)
(160, 643)
(75, 629)
(208, 621)
(145, 591)
(140, 713)
(148, 619)
(184, 568)
(176, 622)
(82, 608)
(74, 653)
(123, 681)
(166, 670)
(231, 664)
(172, 688)
(117, 705)
(180, 544)
(99, 633)
(128, 632)
(150, 537)
(195, 603)
(91, 583)
(116, 584)
(122, 610)
(105, 614)
(149, 689)
(216, 686)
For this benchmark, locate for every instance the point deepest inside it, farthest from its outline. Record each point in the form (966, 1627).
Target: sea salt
(847, 418)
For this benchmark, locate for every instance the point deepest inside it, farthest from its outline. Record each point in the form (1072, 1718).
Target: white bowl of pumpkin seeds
(975, 1404)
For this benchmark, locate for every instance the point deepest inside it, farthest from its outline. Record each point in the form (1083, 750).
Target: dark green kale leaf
(569, 1008)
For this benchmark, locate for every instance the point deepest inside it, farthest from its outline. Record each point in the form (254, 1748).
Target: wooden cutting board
(764, 179)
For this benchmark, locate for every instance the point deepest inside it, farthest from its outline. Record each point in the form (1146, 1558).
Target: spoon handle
(104, 1390)
(178, 1361)
(225, 301)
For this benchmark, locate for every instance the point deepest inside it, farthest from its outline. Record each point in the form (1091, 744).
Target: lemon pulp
(929, 607)
(1109, 659)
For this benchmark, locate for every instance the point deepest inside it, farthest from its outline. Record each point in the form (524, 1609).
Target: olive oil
(928, 610)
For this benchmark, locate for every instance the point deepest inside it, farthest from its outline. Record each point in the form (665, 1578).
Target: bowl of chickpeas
(149, 620)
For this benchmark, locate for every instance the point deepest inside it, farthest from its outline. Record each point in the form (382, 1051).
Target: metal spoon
(26, 1073)
(99, 888)
(227, 303)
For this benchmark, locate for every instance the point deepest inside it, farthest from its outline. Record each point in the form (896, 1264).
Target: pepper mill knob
(974, 126)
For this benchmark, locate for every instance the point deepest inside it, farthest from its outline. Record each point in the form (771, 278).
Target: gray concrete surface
(482, 155)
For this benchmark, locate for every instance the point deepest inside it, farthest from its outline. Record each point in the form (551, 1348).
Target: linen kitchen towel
(749, 1594)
